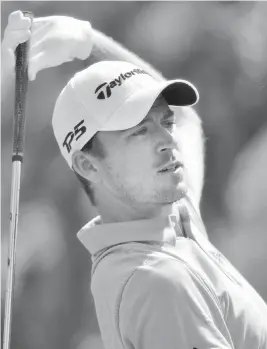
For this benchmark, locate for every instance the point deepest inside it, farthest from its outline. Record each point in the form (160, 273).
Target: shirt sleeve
(170, 308)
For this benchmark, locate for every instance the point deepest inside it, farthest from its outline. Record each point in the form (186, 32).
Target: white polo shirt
(157, 289)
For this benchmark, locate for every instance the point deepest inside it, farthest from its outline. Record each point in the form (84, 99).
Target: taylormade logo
(103, 91)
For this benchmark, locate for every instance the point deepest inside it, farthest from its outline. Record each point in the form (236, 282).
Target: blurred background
(222, 48)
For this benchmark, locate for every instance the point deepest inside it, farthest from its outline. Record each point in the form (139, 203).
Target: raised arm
(58, 39)
(106, 48)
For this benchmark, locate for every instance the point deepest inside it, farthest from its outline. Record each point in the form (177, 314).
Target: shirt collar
(96, 236)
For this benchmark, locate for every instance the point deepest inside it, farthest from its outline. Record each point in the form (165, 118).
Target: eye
(140, 132)
(169, 124)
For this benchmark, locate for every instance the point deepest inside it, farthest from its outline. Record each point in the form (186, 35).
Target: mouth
(171, 167)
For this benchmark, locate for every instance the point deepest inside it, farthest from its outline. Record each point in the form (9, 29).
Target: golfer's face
(136, 158)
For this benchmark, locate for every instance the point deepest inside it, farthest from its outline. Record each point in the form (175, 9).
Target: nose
(166, 140)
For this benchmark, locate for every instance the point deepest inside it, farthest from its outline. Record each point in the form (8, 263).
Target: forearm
(105, 48)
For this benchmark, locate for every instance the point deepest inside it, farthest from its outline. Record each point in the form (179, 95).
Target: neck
(114, 210)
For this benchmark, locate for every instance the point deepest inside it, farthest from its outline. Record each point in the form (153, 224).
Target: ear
(86, 166)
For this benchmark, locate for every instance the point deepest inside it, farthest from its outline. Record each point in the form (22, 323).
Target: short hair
(95, 148)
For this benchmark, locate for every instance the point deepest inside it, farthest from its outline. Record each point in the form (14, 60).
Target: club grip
(21, 86)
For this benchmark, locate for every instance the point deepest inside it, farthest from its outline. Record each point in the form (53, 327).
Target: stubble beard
(137, 195)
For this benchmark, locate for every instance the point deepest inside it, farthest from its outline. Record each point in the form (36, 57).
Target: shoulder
(166, 292)
(166, 304)
(162, 276)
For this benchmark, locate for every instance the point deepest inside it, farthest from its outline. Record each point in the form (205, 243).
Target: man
(128, 135)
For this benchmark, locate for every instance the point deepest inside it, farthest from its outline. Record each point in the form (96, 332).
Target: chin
(171, 195)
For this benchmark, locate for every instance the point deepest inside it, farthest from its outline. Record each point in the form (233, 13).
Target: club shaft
(14, 212)
(21, 84)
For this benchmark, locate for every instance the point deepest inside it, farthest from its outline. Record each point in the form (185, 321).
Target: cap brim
(136, 106)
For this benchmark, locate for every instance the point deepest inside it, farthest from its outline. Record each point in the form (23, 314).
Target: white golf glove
(54, 40)
(16, 32)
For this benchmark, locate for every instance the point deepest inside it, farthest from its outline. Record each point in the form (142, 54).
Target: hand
(16, 32)
(56, 40)
(53, 40)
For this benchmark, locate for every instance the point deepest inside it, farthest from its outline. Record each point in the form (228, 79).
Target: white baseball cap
(109, 96)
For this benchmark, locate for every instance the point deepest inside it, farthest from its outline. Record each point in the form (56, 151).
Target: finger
(39, 25)
(42, 61)
(39, 21)
(13, 38)
(40, 32)
(44, 44)
(36, 63)
(35, 48)
(17, 21)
